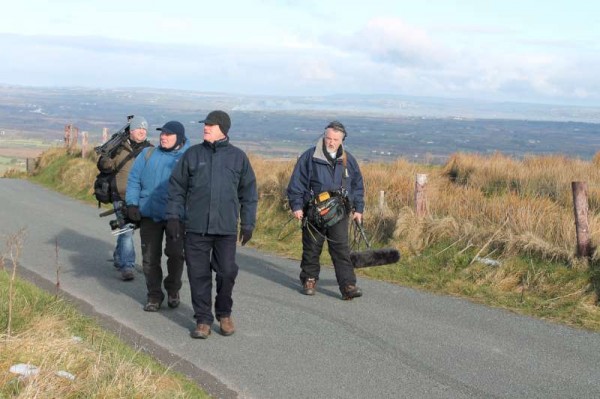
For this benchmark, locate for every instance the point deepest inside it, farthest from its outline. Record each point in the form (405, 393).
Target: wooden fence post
(67, 136)
(580, 206)
(31, 165)
(104, 135)
(74, 136)
(381, 200)
(421, 195)
(84, 143)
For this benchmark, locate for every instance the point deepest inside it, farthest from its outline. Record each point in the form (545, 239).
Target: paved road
(394, 342)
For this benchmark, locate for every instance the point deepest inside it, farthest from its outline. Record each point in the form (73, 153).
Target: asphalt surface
(394, 342)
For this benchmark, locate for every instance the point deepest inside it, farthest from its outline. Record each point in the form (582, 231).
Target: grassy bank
(499, 231)
(43, 330)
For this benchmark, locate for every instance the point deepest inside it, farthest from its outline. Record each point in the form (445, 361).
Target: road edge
(213, 386)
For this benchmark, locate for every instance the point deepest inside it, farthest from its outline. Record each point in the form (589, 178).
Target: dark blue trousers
(204, 254)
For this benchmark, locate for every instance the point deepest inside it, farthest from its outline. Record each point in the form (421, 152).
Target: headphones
(337, 126)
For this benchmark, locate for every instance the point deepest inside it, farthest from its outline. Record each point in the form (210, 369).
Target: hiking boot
(152, 306)
(350, 292)
(227, 327)
(127, 274)
(202, 331)
(173, 300)
(309, 287)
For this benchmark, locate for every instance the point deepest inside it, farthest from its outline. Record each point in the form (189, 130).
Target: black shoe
(350, 292)
(173, 300)
(309, 287)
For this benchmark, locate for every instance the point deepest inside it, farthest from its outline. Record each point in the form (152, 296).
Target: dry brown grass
(513, 206)
(50, 156)
(77, 175)
(50, 346)
(495, 203)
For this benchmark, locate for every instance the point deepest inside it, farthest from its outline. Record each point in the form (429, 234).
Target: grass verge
(46, 331)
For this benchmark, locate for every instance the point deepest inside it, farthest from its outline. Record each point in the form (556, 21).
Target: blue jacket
(211, 188)
(148, 181)
(314, 174)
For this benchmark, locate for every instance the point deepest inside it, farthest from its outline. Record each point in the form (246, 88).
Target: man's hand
(245, 235)
(174, 229)
(299, 214)
(133, 213)
(358, 217)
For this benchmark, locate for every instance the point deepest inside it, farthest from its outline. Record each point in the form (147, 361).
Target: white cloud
(316, 70)
(390, 40)
(385, 55)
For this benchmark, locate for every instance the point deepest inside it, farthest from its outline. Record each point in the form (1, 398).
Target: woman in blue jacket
(146, 199)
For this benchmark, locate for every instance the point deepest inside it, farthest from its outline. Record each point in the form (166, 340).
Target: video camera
(115, 141)
(121, 224)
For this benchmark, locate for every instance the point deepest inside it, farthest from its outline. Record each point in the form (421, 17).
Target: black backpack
(104, 181)
(102, 187)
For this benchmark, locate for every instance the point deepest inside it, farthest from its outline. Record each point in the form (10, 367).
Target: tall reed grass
(511, 206)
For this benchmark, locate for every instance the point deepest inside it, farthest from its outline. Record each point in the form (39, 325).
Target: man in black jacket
(212, 188)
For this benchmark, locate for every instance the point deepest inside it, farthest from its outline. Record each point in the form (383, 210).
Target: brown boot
(202, 331)
(309, 287)
(350, 291)
(227, 327)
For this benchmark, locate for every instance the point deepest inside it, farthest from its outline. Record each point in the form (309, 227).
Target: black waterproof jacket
(314, 174)
(211, 188)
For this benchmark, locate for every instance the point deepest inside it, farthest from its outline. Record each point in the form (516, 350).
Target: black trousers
(151, 235)
(203, 254)
(339, 250)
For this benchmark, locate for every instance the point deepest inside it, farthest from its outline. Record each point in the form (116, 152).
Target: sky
(508, 50)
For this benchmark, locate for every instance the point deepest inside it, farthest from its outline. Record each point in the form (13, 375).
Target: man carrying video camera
(119, 162)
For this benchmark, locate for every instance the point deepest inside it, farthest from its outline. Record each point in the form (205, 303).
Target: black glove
(174, 229)
(133, 213)
(245, 235)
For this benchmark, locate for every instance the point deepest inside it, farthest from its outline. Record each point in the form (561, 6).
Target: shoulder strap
(132, 154)
(345, 171)
(310, 164)
(125, 160)
(149, 153)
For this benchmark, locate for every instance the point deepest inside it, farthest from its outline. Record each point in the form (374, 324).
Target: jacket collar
(183, 148)
(217, 144)
(320, 154)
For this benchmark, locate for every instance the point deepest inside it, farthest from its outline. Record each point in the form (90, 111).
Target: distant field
(7, 163)
(380, 128)
(14, 152)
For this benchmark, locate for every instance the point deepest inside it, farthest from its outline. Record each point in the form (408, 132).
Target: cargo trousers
(339, 250)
